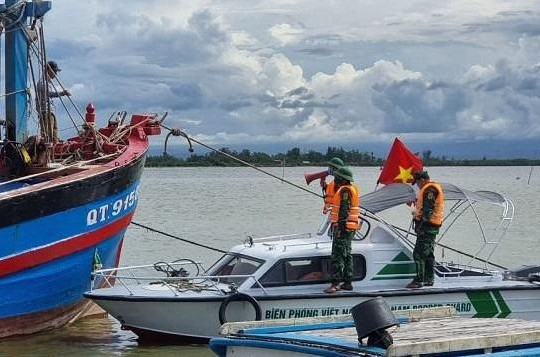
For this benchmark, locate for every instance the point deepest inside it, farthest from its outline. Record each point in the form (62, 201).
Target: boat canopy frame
(462, 201)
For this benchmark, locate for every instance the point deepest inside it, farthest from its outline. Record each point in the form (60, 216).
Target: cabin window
(234, 265)
(301, 271)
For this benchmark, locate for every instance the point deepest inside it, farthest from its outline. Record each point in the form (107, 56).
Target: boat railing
(146, 266)
(447, 269)
(489, 242)
(127, 278)
(283, 237)
(135, 271)
(316, 244)
(273, 242)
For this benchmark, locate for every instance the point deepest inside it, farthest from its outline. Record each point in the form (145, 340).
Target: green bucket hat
(335, 162)
(344, 172)
(420, 175)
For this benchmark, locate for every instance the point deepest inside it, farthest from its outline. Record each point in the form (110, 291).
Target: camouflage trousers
(342, 262)
(49, 128)
(424, 257)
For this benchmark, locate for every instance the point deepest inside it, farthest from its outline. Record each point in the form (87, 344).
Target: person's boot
(428, 283)
(346, 286)
(334, 288)
(414, 285)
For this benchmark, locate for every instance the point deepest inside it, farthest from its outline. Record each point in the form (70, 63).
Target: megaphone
(315, 176)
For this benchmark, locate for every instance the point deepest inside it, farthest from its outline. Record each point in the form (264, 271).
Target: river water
(221, 206)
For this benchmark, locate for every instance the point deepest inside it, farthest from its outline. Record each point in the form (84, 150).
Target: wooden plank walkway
(233, 327)
(438, 335)
(435, 330)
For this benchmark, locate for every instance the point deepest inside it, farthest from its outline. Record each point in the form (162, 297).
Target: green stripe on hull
(394, 269)
(489, 304)
(401, 257)
(505, 310)
(401, 267)
(483, 303)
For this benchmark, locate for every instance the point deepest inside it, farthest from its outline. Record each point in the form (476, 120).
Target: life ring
(239, 297)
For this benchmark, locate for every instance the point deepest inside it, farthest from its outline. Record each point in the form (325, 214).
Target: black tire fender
(239, 297)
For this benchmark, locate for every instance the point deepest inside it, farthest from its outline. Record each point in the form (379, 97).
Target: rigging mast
(16, 68)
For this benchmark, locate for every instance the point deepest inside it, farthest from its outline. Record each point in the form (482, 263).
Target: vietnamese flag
(400, 165)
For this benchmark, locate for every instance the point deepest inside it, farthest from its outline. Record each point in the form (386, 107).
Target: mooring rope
(178, 238)
(179, 132)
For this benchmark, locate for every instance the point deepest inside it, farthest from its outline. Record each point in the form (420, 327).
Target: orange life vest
(437, 216)
(329, 191)
(353, 219)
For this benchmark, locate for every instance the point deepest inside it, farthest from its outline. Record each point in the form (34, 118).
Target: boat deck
(204, 289)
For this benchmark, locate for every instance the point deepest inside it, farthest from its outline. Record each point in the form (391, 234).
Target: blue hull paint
(62, 281)
(56, 284)
(56, 227)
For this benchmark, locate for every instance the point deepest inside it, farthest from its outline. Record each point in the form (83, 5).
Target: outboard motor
(372, 318)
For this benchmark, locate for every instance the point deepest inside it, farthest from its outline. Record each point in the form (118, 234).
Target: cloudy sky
(311, 73)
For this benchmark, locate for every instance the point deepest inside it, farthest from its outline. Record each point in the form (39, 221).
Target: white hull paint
(201, 318)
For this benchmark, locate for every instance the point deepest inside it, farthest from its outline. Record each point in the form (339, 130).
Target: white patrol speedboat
(283, 277)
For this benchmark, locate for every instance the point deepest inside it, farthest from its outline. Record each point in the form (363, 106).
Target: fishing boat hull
(190, 320)
(64, 204)
(57, 231)
(42, 284)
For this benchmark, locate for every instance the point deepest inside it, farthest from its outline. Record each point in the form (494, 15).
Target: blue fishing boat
(64, 204)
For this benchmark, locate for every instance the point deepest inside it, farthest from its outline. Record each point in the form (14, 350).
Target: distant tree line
(430, 160)
(295, 157)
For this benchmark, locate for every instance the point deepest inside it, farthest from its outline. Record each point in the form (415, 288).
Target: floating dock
(430, 332)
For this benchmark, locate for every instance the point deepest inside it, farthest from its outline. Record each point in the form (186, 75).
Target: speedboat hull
(188, 320)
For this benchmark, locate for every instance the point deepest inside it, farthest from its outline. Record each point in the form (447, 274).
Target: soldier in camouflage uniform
(427, 221)
(343, 230)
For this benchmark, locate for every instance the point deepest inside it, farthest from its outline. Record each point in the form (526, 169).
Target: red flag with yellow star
(399, 165)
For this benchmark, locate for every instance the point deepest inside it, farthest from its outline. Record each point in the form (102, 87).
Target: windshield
(234, 265)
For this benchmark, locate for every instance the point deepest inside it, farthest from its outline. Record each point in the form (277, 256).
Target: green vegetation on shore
(295, 157)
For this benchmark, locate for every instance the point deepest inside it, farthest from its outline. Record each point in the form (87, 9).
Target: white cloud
(478, 73)
(529, 48)
(190, 121)
(242, 39)
(279, 75)
(459, 69)
(286, 34)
